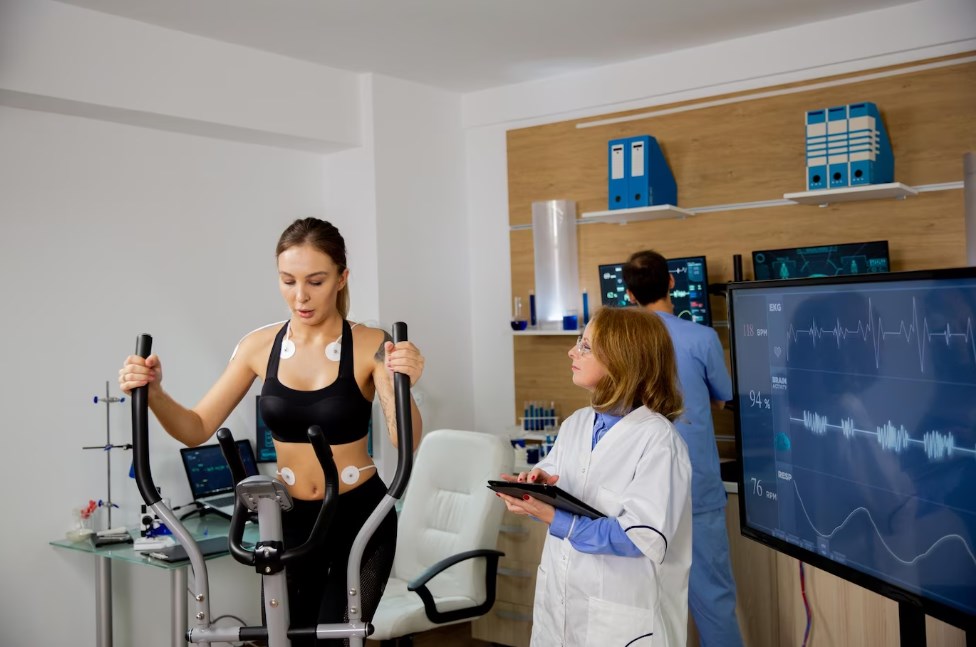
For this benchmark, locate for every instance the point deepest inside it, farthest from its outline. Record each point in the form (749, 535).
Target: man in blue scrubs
(704, 381)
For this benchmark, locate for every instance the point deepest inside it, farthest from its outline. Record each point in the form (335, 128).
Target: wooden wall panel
(744, 152)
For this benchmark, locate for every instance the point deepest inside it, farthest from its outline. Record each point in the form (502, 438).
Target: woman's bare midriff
(309, 482)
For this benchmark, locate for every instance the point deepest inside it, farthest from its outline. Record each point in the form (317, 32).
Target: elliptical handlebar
(404, 419)
(329, 501)
(235, 534)
(228, 447)
(140, 430)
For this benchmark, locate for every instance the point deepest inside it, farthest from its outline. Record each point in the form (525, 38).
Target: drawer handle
(513, 530)
(513, 572)
(511, 615)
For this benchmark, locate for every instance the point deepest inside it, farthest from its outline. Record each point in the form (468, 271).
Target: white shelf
(546, 333)
(658, 212)
(823, 197)
(852, 193)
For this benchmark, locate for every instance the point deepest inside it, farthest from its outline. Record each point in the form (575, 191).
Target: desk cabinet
(510, 620)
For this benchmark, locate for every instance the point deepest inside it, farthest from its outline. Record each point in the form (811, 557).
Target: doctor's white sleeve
(655, 500)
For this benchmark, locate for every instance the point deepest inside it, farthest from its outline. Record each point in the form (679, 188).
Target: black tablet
(549, 494)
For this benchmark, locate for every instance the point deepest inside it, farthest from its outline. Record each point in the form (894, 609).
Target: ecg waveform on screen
(862, 510)
(912, 332)
(937, 445)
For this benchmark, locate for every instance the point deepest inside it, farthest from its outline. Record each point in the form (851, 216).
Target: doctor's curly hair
(636, 349)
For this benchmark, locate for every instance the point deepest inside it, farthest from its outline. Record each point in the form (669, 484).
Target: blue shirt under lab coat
(595, 536)
(703, 377)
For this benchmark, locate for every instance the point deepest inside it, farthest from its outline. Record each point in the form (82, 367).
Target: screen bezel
(928, 605)
(704, 262)
(795, 249)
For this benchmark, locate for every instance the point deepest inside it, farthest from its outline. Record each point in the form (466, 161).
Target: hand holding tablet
(550, 494)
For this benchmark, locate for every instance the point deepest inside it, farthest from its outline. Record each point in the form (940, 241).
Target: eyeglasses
(582, 348)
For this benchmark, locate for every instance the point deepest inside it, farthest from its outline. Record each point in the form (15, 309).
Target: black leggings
(317, 584)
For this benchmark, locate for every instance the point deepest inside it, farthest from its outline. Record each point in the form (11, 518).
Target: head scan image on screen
(856, 428)
(689, 295)
(824, 260)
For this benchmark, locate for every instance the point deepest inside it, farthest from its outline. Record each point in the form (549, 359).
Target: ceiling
(469, 45)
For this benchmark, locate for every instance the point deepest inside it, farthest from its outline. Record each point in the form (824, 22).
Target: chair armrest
(419, 586)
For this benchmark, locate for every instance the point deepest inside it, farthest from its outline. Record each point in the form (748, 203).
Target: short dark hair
(646, 276)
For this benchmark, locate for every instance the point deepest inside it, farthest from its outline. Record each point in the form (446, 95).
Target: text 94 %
(756, 399)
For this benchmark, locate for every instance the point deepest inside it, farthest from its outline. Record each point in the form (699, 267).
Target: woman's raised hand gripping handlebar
(137, 371)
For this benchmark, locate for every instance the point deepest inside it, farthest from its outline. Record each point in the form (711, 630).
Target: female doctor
(623, 579)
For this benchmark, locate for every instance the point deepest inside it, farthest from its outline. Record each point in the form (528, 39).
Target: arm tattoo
(381, 351)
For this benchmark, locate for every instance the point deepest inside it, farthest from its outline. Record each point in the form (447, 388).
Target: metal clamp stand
(108, 447)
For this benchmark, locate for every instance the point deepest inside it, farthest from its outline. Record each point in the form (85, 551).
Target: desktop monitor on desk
(689, 295)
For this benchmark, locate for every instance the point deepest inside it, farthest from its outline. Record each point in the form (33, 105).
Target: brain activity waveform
(936, 444)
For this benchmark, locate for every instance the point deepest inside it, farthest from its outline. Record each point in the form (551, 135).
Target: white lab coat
(639, 473)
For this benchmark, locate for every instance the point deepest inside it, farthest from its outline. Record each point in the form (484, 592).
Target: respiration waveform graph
(937, 445)
(862, 510)
(910, 332)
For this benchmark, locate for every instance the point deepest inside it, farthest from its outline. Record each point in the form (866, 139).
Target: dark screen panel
(823, 260)
(262, 439)
(207, 470)
(689, 296)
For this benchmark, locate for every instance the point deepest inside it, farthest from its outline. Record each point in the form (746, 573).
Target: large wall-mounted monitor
(689, 296)
(856, 429)
(823, 260)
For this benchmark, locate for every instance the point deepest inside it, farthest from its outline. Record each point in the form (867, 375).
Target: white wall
(107, 231)
(910, 32)
(61, 58)
(422, 237)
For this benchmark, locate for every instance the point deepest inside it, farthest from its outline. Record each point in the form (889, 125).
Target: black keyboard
(222, 501)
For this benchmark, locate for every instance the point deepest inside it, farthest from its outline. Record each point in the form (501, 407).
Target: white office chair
(445, 565)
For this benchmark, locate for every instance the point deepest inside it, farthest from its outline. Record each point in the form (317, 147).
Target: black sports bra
(339, 409)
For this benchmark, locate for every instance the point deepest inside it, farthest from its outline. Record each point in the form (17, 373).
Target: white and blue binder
(837, 147)
(847, 146)
(618, 164)
(816, 150)
(649, 181)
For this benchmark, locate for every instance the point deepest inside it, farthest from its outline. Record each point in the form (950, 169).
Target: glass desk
(200, 528)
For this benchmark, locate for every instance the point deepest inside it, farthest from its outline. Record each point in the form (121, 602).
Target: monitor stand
(911, 625)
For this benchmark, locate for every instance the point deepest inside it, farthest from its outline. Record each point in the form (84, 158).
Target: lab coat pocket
(609, 502)
(612, 624)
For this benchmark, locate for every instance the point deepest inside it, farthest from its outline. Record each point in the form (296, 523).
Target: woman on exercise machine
(317, 369)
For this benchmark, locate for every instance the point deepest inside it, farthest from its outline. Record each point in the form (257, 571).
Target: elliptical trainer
(268, 498)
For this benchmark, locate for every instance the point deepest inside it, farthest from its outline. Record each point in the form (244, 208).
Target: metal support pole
(103, 601)
(177, 589)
